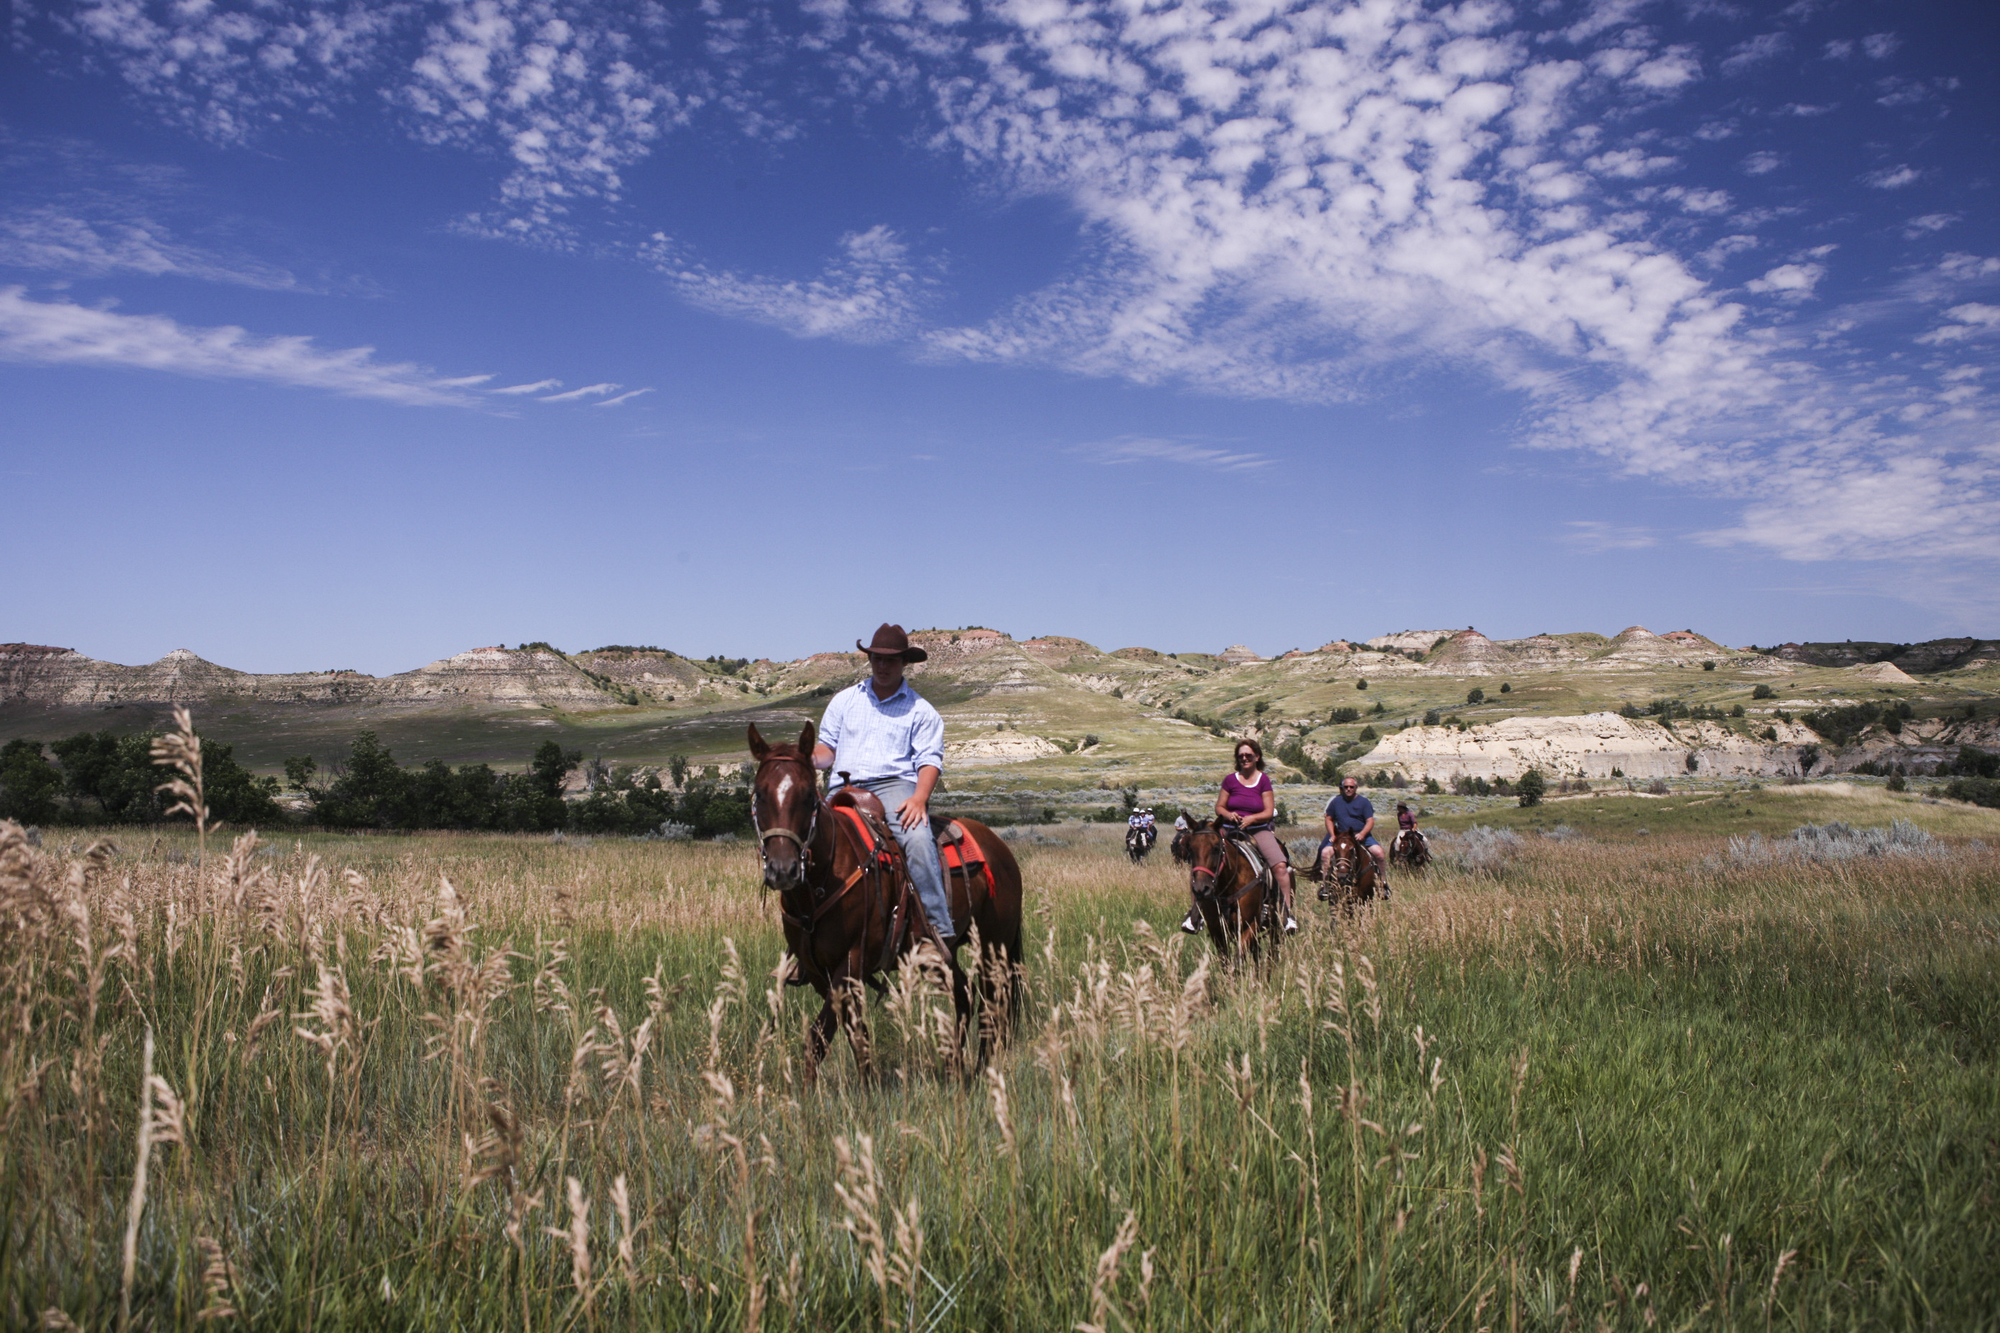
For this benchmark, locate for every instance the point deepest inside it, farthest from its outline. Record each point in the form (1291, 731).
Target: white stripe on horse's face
(784, 787)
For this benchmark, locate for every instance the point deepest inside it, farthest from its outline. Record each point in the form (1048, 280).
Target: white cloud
(58, 333)
(536, 387)
(1927, 223)
(587, 391)
(1595, 535)
(1881, 45)
(1630, 164)
(625, 397)
(1971, 320)
(55, 239)
(559, 89)
(1792, 282)
(1762, 163)
(869, 293)
(1746, 56)
(1892, 178)
(1147, 449)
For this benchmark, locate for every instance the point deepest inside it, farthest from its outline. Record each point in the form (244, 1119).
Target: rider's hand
(911, 813)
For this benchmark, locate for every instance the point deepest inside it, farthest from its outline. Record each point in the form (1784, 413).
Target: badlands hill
(1055, 712)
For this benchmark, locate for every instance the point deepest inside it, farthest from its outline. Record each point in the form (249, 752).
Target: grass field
(1616, 1081)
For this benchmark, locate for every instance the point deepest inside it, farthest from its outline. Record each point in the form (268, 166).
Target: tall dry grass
(508, 1083)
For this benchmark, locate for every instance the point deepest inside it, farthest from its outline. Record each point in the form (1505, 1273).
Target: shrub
(1431, 787)
(1475, 695)
(1979, 791)
(1737, 711)
(1808, 756)
(1693, 761)
(1708, 666)
(1531, 786)
(1367, 734)
(1339, 716)
(1763, 692)
(1896, 783)
(1431, 717)
(1836, 841)
(1361, 684)
(1769, 734)
(1505, 688)
(1658, 787)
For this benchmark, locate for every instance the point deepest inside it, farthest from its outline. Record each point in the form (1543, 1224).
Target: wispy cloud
(621, 398)
(1892, 178)
(1594, 535)
(53, 239)
(537, 387)
(1147, 449)
(587, 391)
(870, 292)
(59, 333)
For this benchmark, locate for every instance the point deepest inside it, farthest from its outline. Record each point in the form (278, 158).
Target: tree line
(104, 778)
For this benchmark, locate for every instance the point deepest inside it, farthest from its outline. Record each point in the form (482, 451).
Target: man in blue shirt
(888, 738)
(1351, 812)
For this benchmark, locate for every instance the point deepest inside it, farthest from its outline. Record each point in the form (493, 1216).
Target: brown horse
(1349, 875)
(1410, 848)
(1236, 901)
(850, 912)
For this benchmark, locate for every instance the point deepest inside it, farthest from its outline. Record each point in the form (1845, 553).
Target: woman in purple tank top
(1249, 801)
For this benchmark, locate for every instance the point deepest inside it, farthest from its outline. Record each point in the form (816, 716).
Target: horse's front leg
(819, 1035)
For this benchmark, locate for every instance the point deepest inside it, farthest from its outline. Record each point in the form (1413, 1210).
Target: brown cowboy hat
(890, 641)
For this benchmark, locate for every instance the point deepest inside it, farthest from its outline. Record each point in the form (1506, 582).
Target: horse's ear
(757, 747)
(808, 739)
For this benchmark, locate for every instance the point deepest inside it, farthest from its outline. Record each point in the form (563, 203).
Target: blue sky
(353, 335)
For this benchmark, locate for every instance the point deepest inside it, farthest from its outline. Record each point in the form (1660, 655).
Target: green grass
(1614, 1082)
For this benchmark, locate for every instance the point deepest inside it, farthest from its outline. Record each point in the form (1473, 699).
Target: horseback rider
(889, 740)
(1351, 812)
(1248, 801)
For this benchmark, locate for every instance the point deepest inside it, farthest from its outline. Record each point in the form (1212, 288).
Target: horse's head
(1345, 848)
(784, 805)
(1207, 853)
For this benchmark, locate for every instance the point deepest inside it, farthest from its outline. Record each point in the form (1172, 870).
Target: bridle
(764, 835)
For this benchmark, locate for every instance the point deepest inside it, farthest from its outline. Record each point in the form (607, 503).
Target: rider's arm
(914, 810)
(1366, 829)
(1222, 804)
(823, 756)
(1270, 803)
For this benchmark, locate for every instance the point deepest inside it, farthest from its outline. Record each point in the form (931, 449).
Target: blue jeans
(919, 850)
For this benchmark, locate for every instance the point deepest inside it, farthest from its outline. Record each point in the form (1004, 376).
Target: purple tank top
(1246, 800)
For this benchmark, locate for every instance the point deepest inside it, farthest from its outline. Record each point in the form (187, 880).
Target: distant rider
(1351, 812)
(888, 739)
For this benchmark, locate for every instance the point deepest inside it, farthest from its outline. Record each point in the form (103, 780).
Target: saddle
(1260, 869)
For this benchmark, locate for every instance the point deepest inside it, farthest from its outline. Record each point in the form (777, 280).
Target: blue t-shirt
(1350, 816)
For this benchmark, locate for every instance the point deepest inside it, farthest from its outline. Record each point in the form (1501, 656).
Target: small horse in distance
(850, 912)
(1349, 876)
(1137, 844)
(1236, 895)
(1411, 848)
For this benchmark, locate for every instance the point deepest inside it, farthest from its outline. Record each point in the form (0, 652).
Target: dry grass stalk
(1106, 1279)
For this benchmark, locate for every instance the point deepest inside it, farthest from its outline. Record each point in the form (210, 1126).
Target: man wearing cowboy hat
(887, 738)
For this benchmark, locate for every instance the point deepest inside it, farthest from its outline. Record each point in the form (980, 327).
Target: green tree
(1763, 692)
(29, 783)
(677, 766)
(1475, 695)
(300, 772)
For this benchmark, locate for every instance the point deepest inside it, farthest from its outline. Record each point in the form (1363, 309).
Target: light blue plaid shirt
(875, 738)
